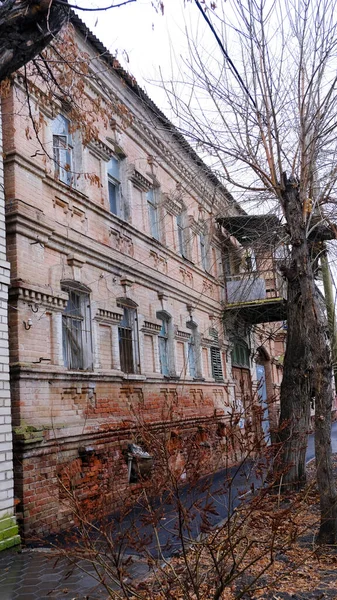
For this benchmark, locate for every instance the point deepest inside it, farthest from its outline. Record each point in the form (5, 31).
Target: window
(128, 338)
(63, 150)
(193, 350)
(181, 235)
(240, 354)
(114, 186)
(153, 213)
(191, 356)
(217, 373)
(203, 251)
(76, 328)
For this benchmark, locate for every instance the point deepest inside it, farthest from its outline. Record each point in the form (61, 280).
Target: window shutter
(216, 364)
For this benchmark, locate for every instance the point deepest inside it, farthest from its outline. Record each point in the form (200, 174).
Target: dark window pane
(216, 364)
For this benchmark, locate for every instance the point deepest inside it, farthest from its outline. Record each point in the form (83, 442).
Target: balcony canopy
(248, 228)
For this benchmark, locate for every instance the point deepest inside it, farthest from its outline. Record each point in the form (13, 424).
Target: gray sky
(144, 41)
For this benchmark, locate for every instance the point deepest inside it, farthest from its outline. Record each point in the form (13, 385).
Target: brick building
(8, 528)
(117, 290)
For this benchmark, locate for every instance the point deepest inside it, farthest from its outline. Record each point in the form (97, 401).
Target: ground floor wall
(81, 444)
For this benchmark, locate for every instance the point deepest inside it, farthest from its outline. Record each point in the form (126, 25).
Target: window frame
(115, 182)
(63, 167)
(153, 212)
(193, 351)
(78, 320)
(216, 364)
(203, 251)
(166, 344)
(128, 337)
(181, 234)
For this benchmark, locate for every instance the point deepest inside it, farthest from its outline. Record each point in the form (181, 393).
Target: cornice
(138, 179)
(31, 223)
(173, 206)
(151, 328)
(183, 336)
(109, 317)
(36, 296)
(100, 150)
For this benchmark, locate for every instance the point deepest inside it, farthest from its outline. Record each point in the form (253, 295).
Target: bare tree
(265, 110)
(28, 26)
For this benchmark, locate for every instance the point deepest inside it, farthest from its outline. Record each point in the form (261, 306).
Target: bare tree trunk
(26, 28)
(307, 375)
(298, 363)
(325, 480)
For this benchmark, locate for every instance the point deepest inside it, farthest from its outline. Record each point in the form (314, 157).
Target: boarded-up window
(205, 362)
(149, 363)
(105, 343)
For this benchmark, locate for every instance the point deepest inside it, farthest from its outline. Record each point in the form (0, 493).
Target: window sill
(133, 377)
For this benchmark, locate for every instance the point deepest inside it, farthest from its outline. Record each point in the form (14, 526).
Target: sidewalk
(35, 574)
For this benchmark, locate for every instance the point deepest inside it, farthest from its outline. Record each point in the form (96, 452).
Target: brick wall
(8, 528)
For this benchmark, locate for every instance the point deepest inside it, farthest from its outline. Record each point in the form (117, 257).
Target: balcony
(256, 299)
(256, 292)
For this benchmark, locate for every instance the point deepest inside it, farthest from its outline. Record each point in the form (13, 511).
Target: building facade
(117, 292)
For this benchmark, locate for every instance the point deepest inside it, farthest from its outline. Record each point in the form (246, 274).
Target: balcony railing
(257, 296)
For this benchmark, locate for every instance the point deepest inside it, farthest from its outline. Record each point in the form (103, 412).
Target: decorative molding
(121, 242)
(100, 150)
(68, 207)
(151, 328)
(186, 276)
(74, 260)
(208, 288)
(159, 262)
(172, 206)
(196, 226)
(139, 181)
(109, 316)
(209, 342)
(37, 297)
(183, 336)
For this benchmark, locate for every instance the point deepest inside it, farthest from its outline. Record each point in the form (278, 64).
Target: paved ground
(36, 574)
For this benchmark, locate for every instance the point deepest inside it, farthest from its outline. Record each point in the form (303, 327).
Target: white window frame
(114, 181)
(63, 150)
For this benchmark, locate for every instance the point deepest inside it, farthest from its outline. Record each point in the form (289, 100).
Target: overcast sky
(146, 43)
